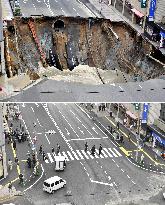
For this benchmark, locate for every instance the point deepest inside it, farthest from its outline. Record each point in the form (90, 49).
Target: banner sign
(152, 10)
(145, 113)
(157, 137)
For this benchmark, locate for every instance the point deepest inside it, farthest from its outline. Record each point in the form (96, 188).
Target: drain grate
(93, 92)
(45, 92)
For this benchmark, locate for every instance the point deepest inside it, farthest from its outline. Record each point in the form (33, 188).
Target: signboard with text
(152, 10)
(145, 113)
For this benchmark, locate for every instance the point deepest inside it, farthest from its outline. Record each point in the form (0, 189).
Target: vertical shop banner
(145, 113)
(152, 10)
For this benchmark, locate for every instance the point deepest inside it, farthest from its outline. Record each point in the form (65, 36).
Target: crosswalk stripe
(90, 154)
(102, 151)
(115, 155)
(106, 150)
(84, 153)
(97, 156)
(101, 156)
(80, 154)
(117, 152)
(75, 155)
(70, 155)
(67, 159)
(50, 157)
(59, 154)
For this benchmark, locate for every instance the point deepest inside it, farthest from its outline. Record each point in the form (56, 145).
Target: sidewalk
(5, 194)
(13, 85)
(129, 147)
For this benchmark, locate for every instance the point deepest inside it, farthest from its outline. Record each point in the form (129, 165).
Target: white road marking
(87, 130)
(74, 9)
(81, 131)
(97, 182)
(101, 156)
(117, 165)
(115, 155)
(120, 87)
(84, 153)
(54, 155)
(90, 154)
(140, 86)
(75, 155)
(68, 133)
(47, 138)
(70, 155)
(32, 109)
(94, 130)
(84, 139)
(104, 153)
(66, 157)
(122, 170)
(79, 153)
(117, 152)
(128, 176)
(78, 119)
(39, 122)
(50, 157)
(72, 112)
(133, 182)
(105, 149)
(100, 130)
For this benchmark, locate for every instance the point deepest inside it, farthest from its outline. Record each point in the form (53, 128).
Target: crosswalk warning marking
(50, 157)
(70, 155)
(104, 153)
(101, 156)
(90, 154)
(79, 153)
(75, 155)
(66, 157)
(117, 152)
(84, 153)
(115, 155)
(105, 149)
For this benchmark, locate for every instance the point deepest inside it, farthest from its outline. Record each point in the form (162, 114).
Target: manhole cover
(93, 92)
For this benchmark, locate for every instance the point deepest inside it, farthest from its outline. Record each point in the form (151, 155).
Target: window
(46, 184)
(57, 182)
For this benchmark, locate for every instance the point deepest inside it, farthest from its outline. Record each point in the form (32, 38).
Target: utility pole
(123, 7)
(145, 16)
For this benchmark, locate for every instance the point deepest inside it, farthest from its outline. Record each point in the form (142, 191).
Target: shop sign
(143, 3)
(152, 10)
(145, 113)
(157, 137)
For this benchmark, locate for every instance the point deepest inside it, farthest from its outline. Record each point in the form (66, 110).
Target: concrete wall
(160, 11)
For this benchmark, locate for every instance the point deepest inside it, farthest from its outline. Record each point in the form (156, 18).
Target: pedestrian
(117, 125)
(20, 137)
(129, 137)
(142, 159)
(14, 145)
(10, 187)
(34, 162)
(86, 147)
(121, 139)
(44, 155)
(53, 150)
(58, 149)
(34, 139)
(100, 149)
(93, 150)
(16, 161)
(29, 162)
(21, 178)
(40, 150)
(103, 107)
(10, 164)
(99, 107)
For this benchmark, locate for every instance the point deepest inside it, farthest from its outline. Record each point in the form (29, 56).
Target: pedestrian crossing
(82, 155)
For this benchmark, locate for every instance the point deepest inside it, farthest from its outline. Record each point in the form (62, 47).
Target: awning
(131, 115)
(137, 12)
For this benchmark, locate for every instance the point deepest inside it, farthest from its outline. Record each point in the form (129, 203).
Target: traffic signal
(137, 106)
(143, 3)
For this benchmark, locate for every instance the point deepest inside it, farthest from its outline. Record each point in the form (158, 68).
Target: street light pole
(118, 108)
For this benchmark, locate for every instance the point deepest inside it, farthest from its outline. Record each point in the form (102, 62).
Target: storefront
(137, 17)
(155, 136)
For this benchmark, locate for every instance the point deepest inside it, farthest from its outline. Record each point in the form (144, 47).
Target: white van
(52, 184)
(60, 163)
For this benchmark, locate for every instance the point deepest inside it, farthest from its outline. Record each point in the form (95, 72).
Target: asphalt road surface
(71, 8)
(105, 179)
(59, 91)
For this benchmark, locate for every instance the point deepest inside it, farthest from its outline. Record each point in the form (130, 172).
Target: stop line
(82, 155)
